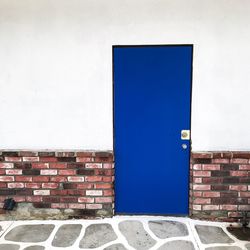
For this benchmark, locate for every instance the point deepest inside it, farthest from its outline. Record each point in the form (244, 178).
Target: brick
(58, 192)
(210, 207)
(238, 187)
(202, 173)
(48, 159)
(75, 179)
(31, 159)
(16, 185)
(104, 172)
(84, 159)
(94, 192)
(41, 192)
(231, 180)
(85, 172)
(69, 185)
(244, 155)
(93, 178)
(68, 199)
(244, 194)
(212, 180)
(48, 172)
(197, 207)
(85, 154)
(211, 167)
(202, 155)
(227, 200)
(240, 161)
(201, 187)
(31, 172)
(50, 199)
(33, 185)
(41, 178)
(197, 194)
(13, 159)
(66, 159)
(67, 172)
(244, 207)
(58, 165)
(2, 172)
(58, 179)
(6, 165)
(108, 165)
(85, 185)
(244, 180)
(235, 214)
(239, 173)
(10, 153)
(220, 173)
(41, 205)
(86, 200)
(197, 180)
(20, 198)
(7, 192)
(211, 194)
(104, 200)
(40, 165)
(65, 154)
(108, 192)
(46, 154)
(228, 207)
(230, 194)
(103, 159)
(3, 185)
(107, 179)
(6, 178)
(202, 201)
(59, 205)
(76, 192)
(219, 161)
(244, 167)
(93, 165)
(23, 178)
(77, 206)
(228, 167)
(103, 186)
(197, 167)
(28, 153)
(94, 206)
(76, 165)
(50, 185)
(33, 198)
(22, 165)
(13, 171)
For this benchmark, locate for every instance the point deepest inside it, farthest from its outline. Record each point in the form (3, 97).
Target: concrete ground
(119, 233)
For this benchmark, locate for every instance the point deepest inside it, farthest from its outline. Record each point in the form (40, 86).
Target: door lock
(185, 134)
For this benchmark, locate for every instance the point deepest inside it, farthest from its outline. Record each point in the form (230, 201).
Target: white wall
(56, 68)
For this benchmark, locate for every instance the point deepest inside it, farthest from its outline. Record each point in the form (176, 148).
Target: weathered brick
(94, 206)
(59, 205)
(231, 180)
(48, 159)
(33, 198)
(50, 185)
(46, 154)
(58, 165)
(68, 199)
(10, 153)
(244, 207)
(94, 192)
(244, 194)
(220, 173)
(212, 180)
(219, 161)
(244, 167)
(202, 201)
(6, 165)
(85, 172)
(103, 185)
(66, 159)
(41, 192)
(103, 200)
(31, 159)
(13, 159)
(77, 206)
(16, 185)
(211, 194)
(50, 199)
(33, 185)
(65, 154)
(7, 192)
(93, 165)
(48, 172)
(58, 192)
(202, 155)
(22, 165)
(41, 205)
(240, 161)
(197, 180)
(238, 187)
(58, 179)
(239, 173)
(196, 207)
(109, 192)
(6, 178)
(75, 179)
(84, 159)
(211, 167)
(108, 165)
(85, 185)
(13, 171)
(229, 194)
(228, 207)
(201, 187)
(41, 178)
(107, 179)
(86, 200)
(69, 185)
(28, 153)
(202, 173)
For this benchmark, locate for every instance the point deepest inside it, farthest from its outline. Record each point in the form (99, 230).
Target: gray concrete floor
(119, 233)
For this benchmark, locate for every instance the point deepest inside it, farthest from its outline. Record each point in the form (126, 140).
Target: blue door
(152, 97)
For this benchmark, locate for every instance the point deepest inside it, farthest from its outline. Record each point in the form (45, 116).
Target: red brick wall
(75, 180)
(220, 185)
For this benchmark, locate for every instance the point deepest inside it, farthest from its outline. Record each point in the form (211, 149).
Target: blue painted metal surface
(152, 86)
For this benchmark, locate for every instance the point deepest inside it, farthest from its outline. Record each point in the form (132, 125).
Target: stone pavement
(119, 233)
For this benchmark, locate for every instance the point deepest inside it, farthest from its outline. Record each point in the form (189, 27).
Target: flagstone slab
(66, 235)
(30, 233)
(247, 246)
(136, 235)
(115, 247)
(212, 234)
(97, 235)
(34, 248)
(9, 247)
(166, 229)
(224, 248)
(177, 245)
